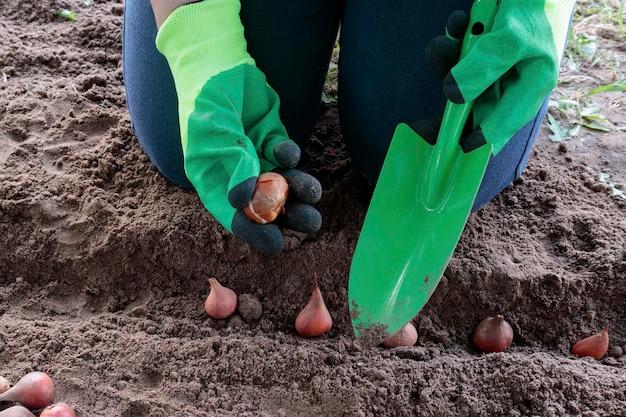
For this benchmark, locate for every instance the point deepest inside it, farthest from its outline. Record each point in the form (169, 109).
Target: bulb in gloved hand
(269, 198)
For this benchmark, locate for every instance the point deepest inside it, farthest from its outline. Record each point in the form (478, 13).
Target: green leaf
(589, 109)
(558, 133)
(326, 99)
(68, 14)
(615, 191)
(619, 86)
(586, 46)
(564, 104)
(597, 122)
(620, 18)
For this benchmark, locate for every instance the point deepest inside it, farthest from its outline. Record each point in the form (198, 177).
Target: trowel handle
(455, 117)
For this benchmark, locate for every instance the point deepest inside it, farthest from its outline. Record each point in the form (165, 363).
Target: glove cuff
(203, 39)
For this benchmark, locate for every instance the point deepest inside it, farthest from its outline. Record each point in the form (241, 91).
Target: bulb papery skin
(406, 336)
(34, 390)
(314, 320)
(221, 302)
(58, 410)
(4, 384)
(594, 346)
(493, 335)
(269, 198)
(16, 411)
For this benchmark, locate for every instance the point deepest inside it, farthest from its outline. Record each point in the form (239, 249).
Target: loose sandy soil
(104, 265)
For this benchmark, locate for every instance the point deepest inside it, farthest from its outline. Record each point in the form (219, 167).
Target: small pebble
(513, 200)
(120, 385)
(342, 292)
(356, 346)
(235, 322)
(600, 187)
(194, 387)
(8, 70)
(151, 330)
(616, 351)
(19, 280)
(94, 206)
(249, 307)
(41, 92)
(573, 406)
(138, 311)
(267, 326)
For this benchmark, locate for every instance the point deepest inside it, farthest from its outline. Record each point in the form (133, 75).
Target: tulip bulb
(4, 384)
(35, 390)
(406, 336)
(314, 319)
(221, 302)
(16, 411)
(595, 346)
(493, 334)
(58, 410)
(269, 198)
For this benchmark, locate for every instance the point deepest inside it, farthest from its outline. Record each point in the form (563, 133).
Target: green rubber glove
(523, 50)
(229, 120)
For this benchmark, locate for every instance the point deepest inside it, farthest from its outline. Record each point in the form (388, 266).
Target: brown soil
(104, 267)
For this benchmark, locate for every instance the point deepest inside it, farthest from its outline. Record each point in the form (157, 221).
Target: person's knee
(164, 151)
(171, 168)
(150, 93)
(173, 171)
(509, 164)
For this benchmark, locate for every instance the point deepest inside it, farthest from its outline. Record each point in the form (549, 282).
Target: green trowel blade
(422, 200)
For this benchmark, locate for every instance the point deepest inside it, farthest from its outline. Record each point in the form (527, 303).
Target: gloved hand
(229, 121)
(523, 51)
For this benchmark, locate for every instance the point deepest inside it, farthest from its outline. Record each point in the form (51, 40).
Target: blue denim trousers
(383, 77)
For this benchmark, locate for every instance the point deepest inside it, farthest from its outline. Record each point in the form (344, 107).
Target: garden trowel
(423, 198)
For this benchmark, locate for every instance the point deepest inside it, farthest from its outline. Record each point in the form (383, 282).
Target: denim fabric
(384, 78)
(150, 93)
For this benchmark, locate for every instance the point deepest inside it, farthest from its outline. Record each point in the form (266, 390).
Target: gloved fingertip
(457, 24)
(302, 218)
(304, 186)
(442, 53)
(428, 129)
(287, 154)
(240, 195)
(265, 238)
(474, 140)
(451, 89)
